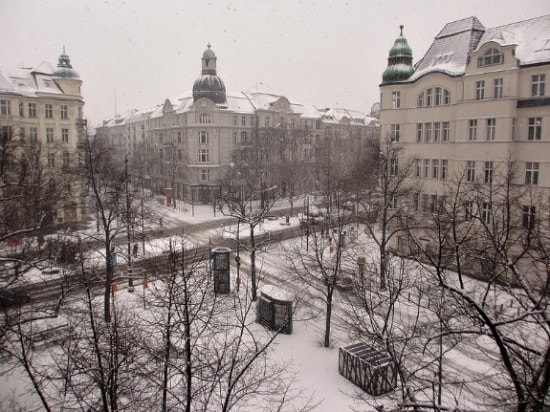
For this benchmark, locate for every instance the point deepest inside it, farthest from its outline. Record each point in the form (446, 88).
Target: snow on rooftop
(532, 38)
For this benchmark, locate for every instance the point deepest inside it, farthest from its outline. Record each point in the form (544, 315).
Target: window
(235, 121)
(435, 168)
(5, 107)
(393, 202)
(537, 85)
(204, 156)
(65, 135)
(472, 132)
(446, 97)
(427, 132)
(470, 171)
(534, 131)
(21, 109)
(491, 57)
(420, 100)
(488, 178)
(444, 168)
(243, 120)
(532, 173)
(33, 134)
(480, 90)
(394, 134)
(180, 154)
(48, 111)
(416, 197)
(529, 216)
(51, 159)
(204, 118)
(234, 137)
(244, 137)
(64, 112)
(22, 132)
(498, 84)
(486, 213)
(66, 160)
(179, 137)
(419, 131)
(205, 175)
(429, 97)
(468, 210)
(203, 137)
(49, 134)
(426, 168)
(32, 109)
(437, 131)
(490, 129)
(437, 96)
(425, 200)
(394, 165)
(446, 131)
(395, 100)
(267, 121)
(417, 168)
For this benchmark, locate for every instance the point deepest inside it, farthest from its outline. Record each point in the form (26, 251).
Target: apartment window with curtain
(491, 125)
(472, 130)
(532, 173)
(394, 133)
(498, 86)
(48, 111)
(537, 85)
(395, 100)
(488, 177)
(470, 171)
(534, 131)
(480, 90)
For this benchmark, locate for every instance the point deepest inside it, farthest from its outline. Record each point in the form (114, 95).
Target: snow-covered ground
(316, 367)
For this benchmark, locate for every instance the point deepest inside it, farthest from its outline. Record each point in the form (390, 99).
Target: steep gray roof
(450, 48)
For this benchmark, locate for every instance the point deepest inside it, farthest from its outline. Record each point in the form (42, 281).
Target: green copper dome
(64, 68)
(399, 61)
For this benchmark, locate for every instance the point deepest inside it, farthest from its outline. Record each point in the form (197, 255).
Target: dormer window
(491, 57)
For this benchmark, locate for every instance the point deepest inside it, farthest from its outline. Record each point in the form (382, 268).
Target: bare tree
(491, 230)
(382, 207)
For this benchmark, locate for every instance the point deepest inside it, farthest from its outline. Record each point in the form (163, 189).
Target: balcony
(81, 122)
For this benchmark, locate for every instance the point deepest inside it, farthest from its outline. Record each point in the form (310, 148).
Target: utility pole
(128, 218)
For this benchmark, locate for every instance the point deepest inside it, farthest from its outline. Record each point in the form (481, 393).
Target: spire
(209, 61)
(64, 67)
(399, 60)
(209, 85)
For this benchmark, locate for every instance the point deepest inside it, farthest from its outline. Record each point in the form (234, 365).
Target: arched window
(436, 96)
(491, 57)
(204, 118)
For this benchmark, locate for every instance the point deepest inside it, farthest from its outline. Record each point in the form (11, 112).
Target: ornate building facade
(191, 142)
(42, 108)
(472, 109)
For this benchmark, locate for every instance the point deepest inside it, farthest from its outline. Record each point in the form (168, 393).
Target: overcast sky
(325, 53)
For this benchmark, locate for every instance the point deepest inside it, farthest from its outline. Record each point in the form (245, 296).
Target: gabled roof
(30, 82)
(532, 38)
(450, 49)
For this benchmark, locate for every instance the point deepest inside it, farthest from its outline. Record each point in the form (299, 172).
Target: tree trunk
(253, 262)
(328, 318)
